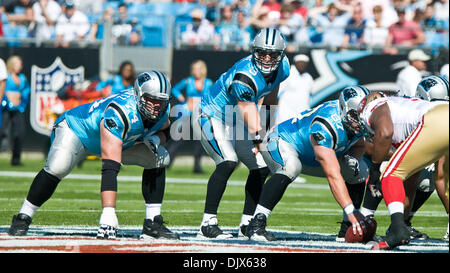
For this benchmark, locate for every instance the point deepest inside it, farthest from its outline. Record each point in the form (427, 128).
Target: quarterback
(231, 108)
(125, 128)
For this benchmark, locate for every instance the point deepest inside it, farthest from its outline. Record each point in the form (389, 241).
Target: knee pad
(226, 167)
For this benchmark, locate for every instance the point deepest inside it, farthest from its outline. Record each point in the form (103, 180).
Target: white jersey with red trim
(406, 114)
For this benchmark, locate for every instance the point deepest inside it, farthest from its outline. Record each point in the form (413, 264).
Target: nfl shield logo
(45, 106)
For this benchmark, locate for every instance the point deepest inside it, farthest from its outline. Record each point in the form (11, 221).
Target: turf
(304, 207)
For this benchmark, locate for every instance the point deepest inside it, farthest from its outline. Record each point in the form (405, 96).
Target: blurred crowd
(231, 24)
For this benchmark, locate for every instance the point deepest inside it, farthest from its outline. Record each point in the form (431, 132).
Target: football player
(320, 142)
(125, 128)
(431, 88)
(415, 127)
(228, 124)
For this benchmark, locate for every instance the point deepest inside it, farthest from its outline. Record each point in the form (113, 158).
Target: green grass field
(306, 207)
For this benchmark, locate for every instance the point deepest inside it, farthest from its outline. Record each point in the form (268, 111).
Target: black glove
(374, 182)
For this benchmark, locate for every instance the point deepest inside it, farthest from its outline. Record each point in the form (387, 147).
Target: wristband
(349, 209)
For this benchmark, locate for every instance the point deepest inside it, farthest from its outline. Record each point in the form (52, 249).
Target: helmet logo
(349, 93)
(143, 78)
(428, 84)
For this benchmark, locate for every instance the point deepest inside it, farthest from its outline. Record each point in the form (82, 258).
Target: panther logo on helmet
(433, 88)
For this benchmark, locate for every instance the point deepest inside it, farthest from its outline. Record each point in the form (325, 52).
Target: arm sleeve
(243, 87)
(115, 121)
(322, 134)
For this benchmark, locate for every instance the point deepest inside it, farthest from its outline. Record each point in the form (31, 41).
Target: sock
(217, 184)
(273, 190)
(28, 208)
(370, 202)
(263, 210)
(152, 210)
(109, 217)
(42, 188)
(153, 185)
(419, 200)
(207, 216)
(245, 219)
(356, 192)
(393, 193)
(253, 188)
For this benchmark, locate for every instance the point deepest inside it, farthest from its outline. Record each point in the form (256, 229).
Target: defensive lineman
(415, 127)
(125, 128)
(228, 113)
(319, 137)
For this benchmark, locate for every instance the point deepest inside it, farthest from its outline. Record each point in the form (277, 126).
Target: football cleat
(415, 234)
(156, 229)
(401, 236)
(243, 232)
(20, 224)
(210, 230)
(106, 232)
(256, 229)
(341, 234)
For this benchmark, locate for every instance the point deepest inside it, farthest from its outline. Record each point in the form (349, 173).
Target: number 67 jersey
(323, 124)
(120, 116)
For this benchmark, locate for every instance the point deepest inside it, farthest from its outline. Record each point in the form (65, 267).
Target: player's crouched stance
(318, 137)
(125, 128)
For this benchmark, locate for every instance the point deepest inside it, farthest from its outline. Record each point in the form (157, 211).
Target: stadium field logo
(45, 105)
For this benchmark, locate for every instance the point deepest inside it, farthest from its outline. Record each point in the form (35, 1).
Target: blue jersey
(242, 82)
(121, 118)
(323, 123)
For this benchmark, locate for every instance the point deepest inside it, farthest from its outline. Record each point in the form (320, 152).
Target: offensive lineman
(319, 137)
(231, 108)
(415, 127)
(125, 128)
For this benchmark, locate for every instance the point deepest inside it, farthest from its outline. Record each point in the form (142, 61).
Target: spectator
(430, 20)
(244, 34)
(332, 25)
(274, 9)
(46, 12)
(71, 25)
(227, 28)
(124, 30)
(442, 9)
(295, 91)
(243, 5)
(300, 8)
(20, 18)
(355, 28)
(289, 22)
(260, 17)
(404, 33)
(3, 76)
(188, 93)
(375, 32)
(98, 28)
(15, 101)
(200, 31)
(410, 76)
(124, 79)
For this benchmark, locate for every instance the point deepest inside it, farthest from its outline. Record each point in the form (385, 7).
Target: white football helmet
(268, 41)
(349, 100)
(433, 88)
(152, 93)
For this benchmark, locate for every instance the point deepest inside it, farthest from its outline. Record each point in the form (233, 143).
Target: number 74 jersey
(323, 124)
(120, 116)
